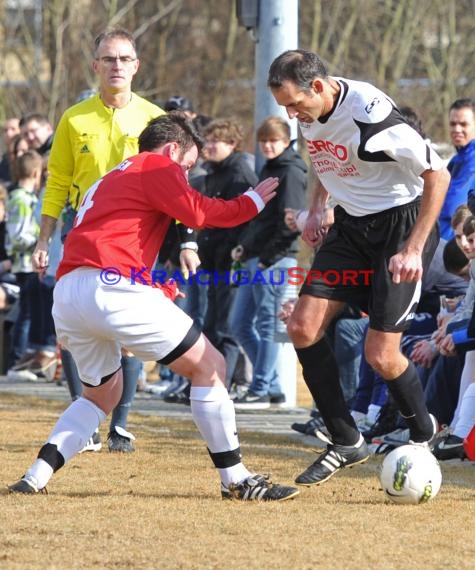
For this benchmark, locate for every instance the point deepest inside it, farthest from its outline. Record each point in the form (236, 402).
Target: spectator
(40, 355)
(455, 260)
(41, 347)
(450, 444)
(22, 233)
(42, 339)
(18, 146)
(462, 165)
(230, 176)
(38, 131)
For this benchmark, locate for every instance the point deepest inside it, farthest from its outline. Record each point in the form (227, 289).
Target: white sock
(214, 416)
(39, 473)
(467, 413)
(72, 430)
(373, 411)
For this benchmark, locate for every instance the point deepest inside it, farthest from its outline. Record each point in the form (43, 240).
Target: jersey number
(87, 203)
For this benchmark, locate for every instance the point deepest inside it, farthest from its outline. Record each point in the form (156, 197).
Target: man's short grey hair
(298, 66)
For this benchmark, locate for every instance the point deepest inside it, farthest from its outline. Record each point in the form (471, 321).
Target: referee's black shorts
(352, 265)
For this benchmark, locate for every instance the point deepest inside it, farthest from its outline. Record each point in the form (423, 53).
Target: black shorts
(352, 265)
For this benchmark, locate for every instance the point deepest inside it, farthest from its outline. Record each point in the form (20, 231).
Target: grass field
(160, 508)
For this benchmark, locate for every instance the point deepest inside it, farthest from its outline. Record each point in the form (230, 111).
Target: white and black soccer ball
(410, 475)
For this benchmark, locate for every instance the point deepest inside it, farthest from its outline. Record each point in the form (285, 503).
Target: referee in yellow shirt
(92, 137)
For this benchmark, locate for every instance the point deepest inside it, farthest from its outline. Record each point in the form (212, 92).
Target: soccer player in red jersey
(105, 300)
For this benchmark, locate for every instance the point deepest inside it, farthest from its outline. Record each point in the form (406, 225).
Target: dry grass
(160, 508)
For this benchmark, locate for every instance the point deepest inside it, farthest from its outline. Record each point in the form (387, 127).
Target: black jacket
(227, 180)
(177, 232)
(267, 236)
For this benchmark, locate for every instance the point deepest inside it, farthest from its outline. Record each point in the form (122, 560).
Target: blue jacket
(462, 185)
(462, 341)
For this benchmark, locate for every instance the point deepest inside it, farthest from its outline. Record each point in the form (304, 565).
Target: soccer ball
(410, 475)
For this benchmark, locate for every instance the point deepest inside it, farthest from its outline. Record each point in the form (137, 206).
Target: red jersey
(124, 216)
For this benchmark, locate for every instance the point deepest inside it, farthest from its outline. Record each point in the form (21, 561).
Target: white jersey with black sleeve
(365, 154)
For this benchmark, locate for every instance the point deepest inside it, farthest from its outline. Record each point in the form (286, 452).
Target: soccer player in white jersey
(388, 186)
(106, 299)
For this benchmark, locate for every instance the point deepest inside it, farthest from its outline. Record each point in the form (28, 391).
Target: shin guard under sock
(408, 394)
(75, 426)
(72, 430)
(213, 414)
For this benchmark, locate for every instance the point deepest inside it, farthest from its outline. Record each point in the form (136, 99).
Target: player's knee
(300, 333)
(212, 360)
(107, 395)
(380, 360)
(211, 366)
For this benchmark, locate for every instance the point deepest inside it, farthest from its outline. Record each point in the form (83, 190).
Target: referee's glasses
(111, 59)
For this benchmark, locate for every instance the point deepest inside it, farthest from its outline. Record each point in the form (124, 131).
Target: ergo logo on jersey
(337, 150)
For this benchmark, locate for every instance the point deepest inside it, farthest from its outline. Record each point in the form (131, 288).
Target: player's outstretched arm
(196, 210)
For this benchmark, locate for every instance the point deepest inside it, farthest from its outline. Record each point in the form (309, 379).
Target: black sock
(409, 396)
(320, 372)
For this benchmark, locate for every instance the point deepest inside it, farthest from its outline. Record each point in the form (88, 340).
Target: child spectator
(22, 233)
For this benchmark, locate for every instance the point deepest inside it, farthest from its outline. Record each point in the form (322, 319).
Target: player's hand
(406, 267)
(311, 234)
(447, 346)
(439, 335)
(189, 262)
(315, 229)
(266, 189)
(286, 310)
(442, 322)
(423, 354)
(40, 259)
(317, 226)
